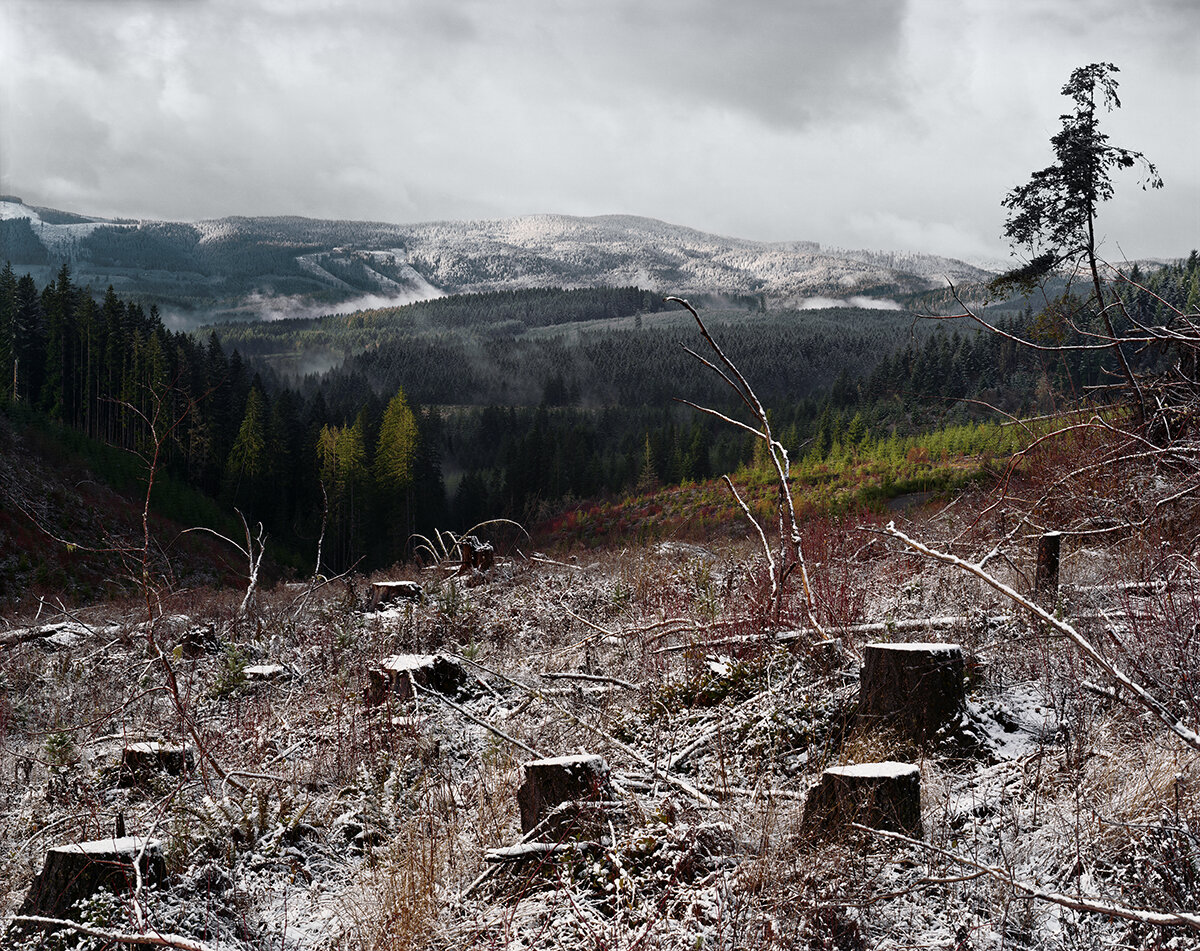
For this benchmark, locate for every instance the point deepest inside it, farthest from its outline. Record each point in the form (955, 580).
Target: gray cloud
(872, 123)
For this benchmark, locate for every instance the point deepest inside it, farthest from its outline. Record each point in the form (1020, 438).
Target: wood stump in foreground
(915, 690)
(551, 782)
(879, 795)
(77, 871)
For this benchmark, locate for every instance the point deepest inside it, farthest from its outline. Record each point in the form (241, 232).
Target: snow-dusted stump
(198, 641)
(73, 872)
(398, 673)
(265, 673)
(1046, 577)
(880, 795)
(390, 592)
(913, 689)
(550, 782)
(142, 760)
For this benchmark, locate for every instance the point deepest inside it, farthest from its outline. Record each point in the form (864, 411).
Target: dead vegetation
(337, 823)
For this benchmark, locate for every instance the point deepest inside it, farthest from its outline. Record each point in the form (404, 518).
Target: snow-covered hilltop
(623, 249)
(221, 263)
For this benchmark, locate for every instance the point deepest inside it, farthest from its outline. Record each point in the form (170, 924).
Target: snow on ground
(366, 827)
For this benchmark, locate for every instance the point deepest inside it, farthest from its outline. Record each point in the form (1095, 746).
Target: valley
(319, 726)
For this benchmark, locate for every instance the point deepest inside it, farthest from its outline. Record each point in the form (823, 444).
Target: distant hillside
(70, 519)
(287, 266)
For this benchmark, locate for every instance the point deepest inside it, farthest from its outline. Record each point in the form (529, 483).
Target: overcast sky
(889, 124)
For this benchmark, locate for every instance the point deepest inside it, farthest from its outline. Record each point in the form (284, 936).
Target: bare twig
(255, 548)
(791, 550)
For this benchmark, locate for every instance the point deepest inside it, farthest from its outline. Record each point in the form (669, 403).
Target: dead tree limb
(791, 551)
(159, 939)
(1189, 736)
(1085, 903)
(255, 548)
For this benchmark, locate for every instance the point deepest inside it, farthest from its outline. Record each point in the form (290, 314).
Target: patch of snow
(1018, 722)
(126, 845)
(399, 663)
(719, 666)
(880, 770)
(265, 672)
(575, 759)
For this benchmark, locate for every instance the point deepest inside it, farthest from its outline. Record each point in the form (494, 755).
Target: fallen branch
(806, 634)
(591, 678)
(477, 720)
(680, 784)
(528, 850)
(1189, 736)
(1074, 902)
(158, 938)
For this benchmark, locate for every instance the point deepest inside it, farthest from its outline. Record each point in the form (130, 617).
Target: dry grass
(377, 819)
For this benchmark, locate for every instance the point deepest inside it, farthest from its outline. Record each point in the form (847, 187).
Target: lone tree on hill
(1053, 215)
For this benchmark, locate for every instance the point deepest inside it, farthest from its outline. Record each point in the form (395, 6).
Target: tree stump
(265, 673)
(551, 782)
(398, 674)
(198, 641)
(390, 592)
(141, 760)
(914, 689)
(1045, 580)
(883, 795)
(74, 872)
(477, 559)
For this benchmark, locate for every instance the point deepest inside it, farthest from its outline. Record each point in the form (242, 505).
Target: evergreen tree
(248, 464)
(28, 343)
(397, 447)
(8, 317)
(648, 473)
(342, 456)
(856, 432)
(1054, 213)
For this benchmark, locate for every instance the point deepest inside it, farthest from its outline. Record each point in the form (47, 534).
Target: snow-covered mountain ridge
(217, 263)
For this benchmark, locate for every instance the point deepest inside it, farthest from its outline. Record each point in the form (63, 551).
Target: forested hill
(248, 268)
(508, 403)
